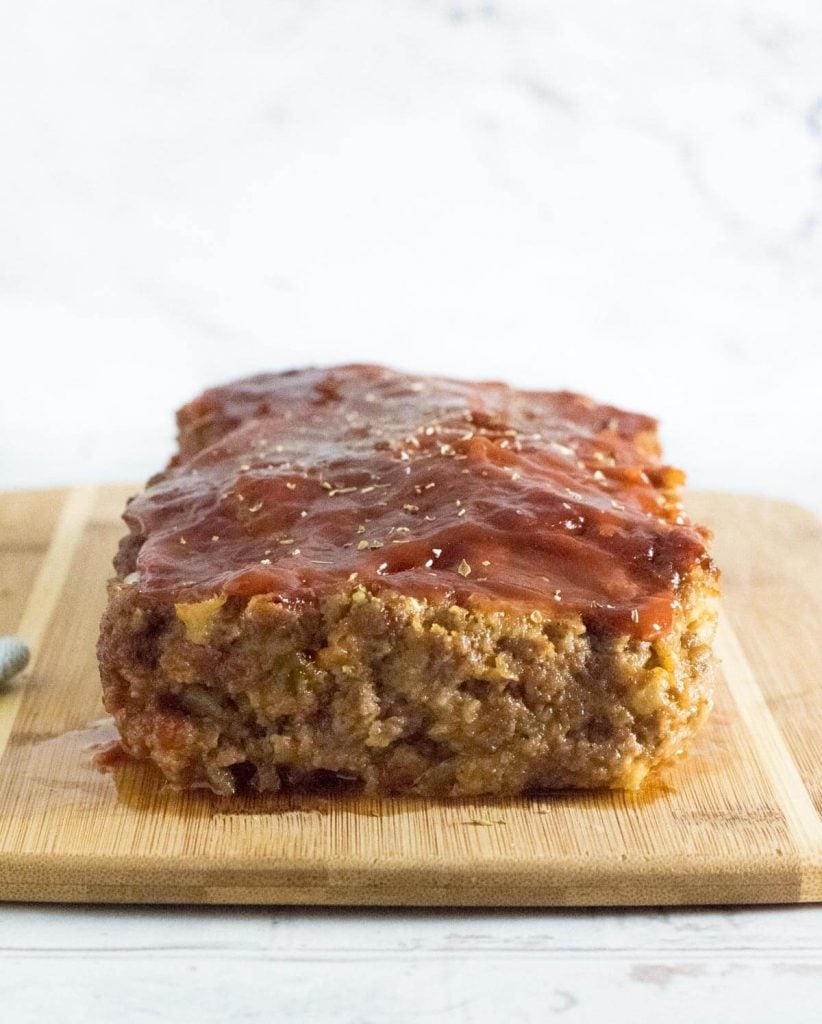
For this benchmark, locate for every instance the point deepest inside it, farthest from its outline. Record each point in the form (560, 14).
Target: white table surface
(621, 198)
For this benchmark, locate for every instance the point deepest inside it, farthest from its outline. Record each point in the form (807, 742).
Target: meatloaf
(413, 584)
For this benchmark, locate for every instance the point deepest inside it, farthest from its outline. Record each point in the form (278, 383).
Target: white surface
(191, 966)
(623, 198)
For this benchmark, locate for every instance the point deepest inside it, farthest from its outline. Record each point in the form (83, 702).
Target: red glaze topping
(294, 484)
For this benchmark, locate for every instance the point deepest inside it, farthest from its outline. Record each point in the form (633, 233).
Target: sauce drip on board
(300, 483)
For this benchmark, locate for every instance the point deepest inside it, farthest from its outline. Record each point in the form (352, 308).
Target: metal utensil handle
(14, 656)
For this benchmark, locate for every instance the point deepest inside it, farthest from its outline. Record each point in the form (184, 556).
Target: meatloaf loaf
(417, 585)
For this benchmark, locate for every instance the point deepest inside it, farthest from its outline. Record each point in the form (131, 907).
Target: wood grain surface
(739, 821)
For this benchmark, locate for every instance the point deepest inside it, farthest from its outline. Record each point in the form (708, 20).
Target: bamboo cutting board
(737, 822)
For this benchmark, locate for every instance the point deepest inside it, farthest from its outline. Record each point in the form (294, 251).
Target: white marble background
(618, 196)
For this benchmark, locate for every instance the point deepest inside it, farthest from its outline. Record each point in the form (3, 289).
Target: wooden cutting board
(737, 822)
